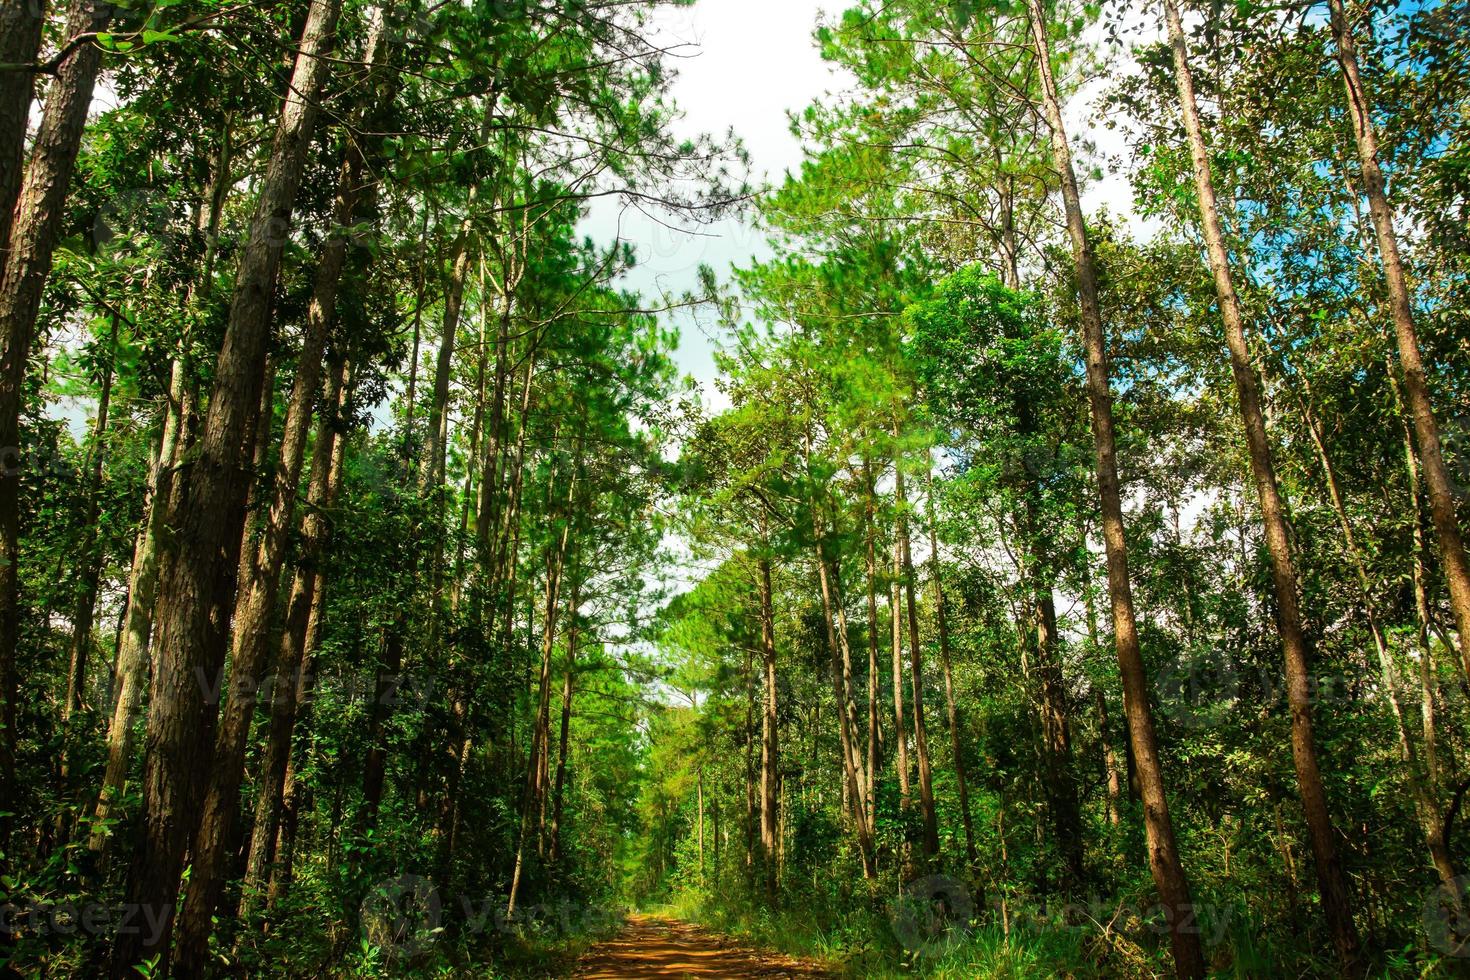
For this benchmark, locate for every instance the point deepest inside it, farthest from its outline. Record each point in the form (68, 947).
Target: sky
(742, 66)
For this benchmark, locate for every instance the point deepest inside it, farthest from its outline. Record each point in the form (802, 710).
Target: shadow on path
(649, 947)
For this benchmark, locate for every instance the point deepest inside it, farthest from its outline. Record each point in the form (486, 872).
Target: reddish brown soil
(650, 947)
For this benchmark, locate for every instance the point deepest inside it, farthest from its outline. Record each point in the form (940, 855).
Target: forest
(1042, 587)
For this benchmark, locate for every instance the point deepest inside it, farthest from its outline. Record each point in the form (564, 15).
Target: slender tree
(1437, 485)
(34, 227)
(1332, 881)
(1163, 850)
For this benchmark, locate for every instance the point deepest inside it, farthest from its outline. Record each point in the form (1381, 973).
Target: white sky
(746, 65)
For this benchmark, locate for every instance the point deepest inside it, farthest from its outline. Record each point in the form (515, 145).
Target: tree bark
(256, 474)
(385, 682)
(288, 679)
(150, 549)
(255, 605)
(567, 689)
(1059, 777)
(309, 641)
(488, 514)
(769, 748)
(1110, 760)
(852, 780)
(871, 560)
(1426, 807)
(131, 673)
(751, 819)
(900, 725)
(941, 624)
(34, 230)
(916, 666)
(1164, 861)
(534, 787)
(20, 41)
(1332, 881)
(1428, 682)
(89, 555)
(1056, 731)
(472, 500)
(1437, 485)
(431, 473)
(198, 588)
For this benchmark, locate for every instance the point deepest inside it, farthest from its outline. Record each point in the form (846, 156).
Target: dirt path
(649, 947)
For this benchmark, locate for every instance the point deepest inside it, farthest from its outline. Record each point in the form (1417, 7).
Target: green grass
(864, 943)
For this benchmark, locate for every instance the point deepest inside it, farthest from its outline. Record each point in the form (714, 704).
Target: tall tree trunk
(769, 758)
(89, 555)
(34, 229)
(862, 778)
(20, 41)
(197, 589)
(255, 605)
(751, 820)
(487, 516)
(293, 792)
(431, 473)
(1059, 782)
(900, 725)
(256, 474)
(385, 682)
(288, 679)
(852, 780)
(475, 471)
(871, 561)
(131, 672)
(504, 563)
(1416, 385)
(256, 602)
(131, 675)
(1431, 821)
(567, 689)
(1112, 771)
(941, 624)
(1110, 760)
(534, 787)
(1062, 796)
(1164, 861)
(1428, 681)
(420, 293)
(1332, 881)
(916, 665)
